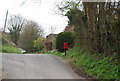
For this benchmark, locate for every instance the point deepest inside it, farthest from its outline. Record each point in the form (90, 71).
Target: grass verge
(9, 49)
(97, 65)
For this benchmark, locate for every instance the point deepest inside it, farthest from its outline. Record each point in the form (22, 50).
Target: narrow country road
(36, 66)
(0, 66)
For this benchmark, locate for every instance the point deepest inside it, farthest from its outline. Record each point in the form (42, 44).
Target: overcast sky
(39, 11)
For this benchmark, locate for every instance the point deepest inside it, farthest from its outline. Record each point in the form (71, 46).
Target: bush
(64, 37)
(38, 44)
(5, 41)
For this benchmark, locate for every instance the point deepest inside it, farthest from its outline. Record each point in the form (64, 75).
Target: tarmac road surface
(36, 66)
(0, 66)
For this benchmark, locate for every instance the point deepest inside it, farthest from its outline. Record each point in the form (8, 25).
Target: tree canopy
(95, 24)
(15, 25)
(31, 31)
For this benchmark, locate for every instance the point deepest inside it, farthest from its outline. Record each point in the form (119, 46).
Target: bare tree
(15, 24)
(34, 1)
(30, 32)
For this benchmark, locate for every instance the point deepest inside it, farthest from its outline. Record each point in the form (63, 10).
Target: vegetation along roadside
(9, 49)
(94, 66)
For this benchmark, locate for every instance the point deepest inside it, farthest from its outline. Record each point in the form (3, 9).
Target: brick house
(51, 36)
(50, 41)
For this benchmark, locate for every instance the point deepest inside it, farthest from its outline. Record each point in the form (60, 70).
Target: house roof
(68, 28)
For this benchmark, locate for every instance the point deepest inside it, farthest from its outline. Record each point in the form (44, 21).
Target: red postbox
(65, 45)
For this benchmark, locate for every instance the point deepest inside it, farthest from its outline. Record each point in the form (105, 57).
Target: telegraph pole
(5, 21)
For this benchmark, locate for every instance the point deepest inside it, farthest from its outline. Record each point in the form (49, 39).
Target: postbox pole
(65, 52)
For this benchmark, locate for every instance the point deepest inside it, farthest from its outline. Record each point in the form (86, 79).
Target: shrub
(64, 37)
(38, 43)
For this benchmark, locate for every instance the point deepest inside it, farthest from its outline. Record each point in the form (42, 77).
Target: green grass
(9, 49)
(97, 65)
